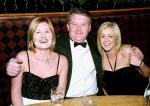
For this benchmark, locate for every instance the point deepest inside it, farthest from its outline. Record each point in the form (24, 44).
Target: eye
(37, 32)
(83, 24)
(110, 35)
(102, 36)
(47, 31)
(73, 24)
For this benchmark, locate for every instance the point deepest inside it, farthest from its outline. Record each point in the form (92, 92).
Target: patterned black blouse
(35, 87)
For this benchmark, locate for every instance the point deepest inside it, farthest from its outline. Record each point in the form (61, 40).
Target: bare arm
(16, 85)
(16, 96)
(145, 69)
(137, 60)
(63, 72)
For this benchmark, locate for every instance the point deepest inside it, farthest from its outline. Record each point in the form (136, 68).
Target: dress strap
(58, 62)
(28, 60)
(112, 68)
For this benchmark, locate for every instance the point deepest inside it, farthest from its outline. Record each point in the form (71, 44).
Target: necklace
(113, 69)
(46, 60)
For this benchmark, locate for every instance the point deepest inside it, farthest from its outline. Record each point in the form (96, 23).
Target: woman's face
(42, 37)
(107, 39)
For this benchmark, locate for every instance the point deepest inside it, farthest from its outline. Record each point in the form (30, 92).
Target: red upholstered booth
(134, 25)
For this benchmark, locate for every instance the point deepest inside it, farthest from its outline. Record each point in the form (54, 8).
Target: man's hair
(79, 11)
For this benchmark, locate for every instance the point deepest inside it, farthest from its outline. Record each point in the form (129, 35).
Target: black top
(35, 87)
(124, 81)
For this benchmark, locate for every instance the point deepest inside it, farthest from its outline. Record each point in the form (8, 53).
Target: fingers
(13, 71)
(14, 67)
(134, 60)
(138, 52)
(18, 61)
(136, 57)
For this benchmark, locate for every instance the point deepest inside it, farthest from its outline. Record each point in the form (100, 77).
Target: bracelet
(141, 63)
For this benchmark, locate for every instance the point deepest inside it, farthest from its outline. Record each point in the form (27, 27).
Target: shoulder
(91, 39)
(63, 58)
(61, 42)
(21, 55)
(61, 39)
(63, 63)
(126, 49)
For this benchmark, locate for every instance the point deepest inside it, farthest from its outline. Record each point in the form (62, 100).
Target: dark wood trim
(121, 11)
(93, 13)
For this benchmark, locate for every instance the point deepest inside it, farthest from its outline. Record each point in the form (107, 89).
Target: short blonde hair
(80, 11)
(34, 23)
(116, 31)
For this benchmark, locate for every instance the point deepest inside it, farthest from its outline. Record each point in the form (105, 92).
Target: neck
(112, 57)
(78, 41)
(43, 54)
(111, 53)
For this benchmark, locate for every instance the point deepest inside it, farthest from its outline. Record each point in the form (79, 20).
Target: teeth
(43, 41)
(106, 44)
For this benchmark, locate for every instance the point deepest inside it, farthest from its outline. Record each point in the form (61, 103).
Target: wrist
(140, 64)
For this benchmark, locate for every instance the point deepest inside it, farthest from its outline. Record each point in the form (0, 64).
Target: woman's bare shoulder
(21, 54)
(63, 59)
(126, 49)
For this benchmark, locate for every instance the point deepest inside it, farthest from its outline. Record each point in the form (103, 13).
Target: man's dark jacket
(63, 47)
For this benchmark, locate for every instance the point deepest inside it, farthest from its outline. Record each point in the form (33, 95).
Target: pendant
(46, 61)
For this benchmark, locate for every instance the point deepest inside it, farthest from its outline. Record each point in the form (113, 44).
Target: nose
(78, 28)
(43, 35)
(106, 39)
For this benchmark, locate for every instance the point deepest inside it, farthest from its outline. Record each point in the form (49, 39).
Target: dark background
(34, 6)
(135, 27)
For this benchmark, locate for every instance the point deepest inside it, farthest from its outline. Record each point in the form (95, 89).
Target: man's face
(78, 27)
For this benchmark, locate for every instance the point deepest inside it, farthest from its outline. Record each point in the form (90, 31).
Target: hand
(138, 53)
(134, 60)
(13, 67)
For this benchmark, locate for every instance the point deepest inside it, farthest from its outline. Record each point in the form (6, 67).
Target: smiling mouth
(78, 33)
(106, 44)
(43, 41)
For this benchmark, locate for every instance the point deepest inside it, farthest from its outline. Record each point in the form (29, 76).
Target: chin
(80, 39)
(44, 48)
(107, 50)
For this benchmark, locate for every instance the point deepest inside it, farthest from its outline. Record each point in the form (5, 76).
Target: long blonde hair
(116, 31)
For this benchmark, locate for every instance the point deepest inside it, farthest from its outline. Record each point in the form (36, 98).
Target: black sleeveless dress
(35, 87)
(125, 81)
